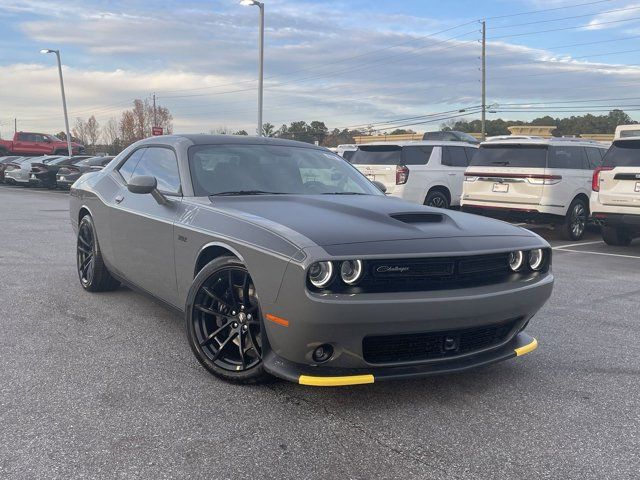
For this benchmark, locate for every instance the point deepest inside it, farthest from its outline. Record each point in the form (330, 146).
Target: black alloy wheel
(576, 220)
(436, 199)
(92, 271)
(224, 325)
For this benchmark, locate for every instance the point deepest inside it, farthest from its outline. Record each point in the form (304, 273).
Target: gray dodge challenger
(286, 261)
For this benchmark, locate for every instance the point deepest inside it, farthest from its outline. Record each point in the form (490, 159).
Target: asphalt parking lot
(105, 385)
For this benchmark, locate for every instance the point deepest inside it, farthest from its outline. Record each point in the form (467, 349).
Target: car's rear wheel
(437, 199)
(92, 271)
(616, 236)
(575, 222)
(223, 322)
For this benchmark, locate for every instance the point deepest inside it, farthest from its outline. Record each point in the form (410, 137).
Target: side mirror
(144, 184)
(380, 186)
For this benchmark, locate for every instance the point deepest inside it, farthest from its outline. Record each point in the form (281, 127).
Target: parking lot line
(602, 253)
(577, 245)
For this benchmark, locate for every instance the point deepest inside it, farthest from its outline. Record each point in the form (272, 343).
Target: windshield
(623, 154)
(377, 155)
(263, 169)
(527, 156)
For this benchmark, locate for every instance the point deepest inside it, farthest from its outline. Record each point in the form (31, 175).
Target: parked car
(428, 173)
(287, 261)
(67, 174)
(43, 174)
(4, 161)
(450, 135)
(626, 131)
(19, 171)
(534, 181)
(29, 143)
(615, 199)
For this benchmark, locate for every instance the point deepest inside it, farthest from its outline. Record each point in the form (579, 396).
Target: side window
(22, 137)
(127, 168)
(416, 155)
(454, 157)
(568, 157)
(470, 153)
(594, 155)
(162, 164)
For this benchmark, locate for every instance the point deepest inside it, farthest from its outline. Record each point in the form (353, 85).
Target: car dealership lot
(105, 385)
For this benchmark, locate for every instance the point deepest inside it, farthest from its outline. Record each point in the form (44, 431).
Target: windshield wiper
(246, 192)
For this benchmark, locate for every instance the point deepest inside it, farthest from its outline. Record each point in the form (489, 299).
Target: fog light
(323, 353)
(516, 259)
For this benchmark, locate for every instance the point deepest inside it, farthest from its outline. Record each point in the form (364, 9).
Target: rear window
(347, 154)
(623, 154)
(524, 156)
(377, 155)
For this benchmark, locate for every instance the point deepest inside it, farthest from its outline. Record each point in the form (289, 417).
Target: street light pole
(260, 5)
(64, 100)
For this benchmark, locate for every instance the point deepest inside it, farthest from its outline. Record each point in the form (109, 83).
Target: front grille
(433, 345)
(435, 273)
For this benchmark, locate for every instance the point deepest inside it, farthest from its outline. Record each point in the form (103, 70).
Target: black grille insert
(432, 345)
(412, 217)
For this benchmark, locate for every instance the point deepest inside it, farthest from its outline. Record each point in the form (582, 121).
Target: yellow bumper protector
(530, 347)
(335, 381)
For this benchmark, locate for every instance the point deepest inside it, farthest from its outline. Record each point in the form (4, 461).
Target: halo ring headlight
(536, 259)
(516, 260)
(351, 271)
(321, 274)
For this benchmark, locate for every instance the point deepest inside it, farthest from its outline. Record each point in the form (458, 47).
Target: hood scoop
(417, 217)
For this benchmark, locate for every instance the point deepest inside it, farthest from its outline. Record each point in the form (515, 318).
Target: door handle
(119, 199)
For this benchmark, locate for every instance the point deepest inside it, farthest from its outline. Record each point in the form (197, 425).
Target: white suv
(615, 200)
(428, 173)
(534, 181)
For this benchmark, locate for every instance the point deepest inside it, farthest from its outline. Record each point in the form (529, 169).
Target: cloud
(322, 62)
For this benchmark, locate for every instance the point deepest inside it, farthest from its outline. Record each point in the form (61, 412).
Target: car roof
(419, 143)
(519, 140)
(202, 139)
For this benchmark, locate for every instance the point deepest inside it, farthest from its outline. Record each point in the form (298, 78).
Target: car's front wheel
(223, 322)
(616, 236)
(92, 271)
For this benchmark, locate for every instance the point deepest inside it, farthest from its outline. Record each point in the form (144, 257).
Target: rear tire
(437, 199)
(575, 223)
(616, 237)
(93, 273)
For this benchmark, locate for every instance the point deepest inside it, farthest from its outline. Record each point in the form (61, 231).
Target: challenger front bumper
(299, 321)
(520, 345)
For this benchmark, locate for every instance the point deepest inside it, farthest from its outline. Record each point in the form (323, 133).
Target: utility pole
(155, 124)
(484, 78)
(15, 125)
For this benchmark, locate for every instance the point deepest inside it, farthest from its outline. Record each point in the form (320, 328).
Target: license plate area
(500, 187)
(637, 189)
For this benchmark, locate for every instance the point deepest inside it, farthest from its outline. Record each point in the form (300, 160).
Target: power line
(545, 10)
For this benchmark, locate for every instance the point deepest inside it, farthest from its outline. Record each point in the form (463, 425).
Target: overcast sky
(344, 62)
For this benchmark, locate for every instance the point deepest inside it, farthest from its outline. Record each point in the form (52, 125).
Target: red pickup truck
(28, 143)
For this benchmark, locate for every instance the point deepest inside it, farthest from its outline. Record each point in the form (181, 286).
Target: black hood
(342, 219)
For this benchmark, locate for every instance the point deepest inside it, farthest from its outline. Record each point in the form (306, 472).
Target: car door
(455, 160)
(21, 143)
(141, 228)
(570, 163)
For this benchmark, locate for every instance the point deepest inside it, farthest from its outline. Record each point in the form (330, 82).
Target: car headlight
(321, 274)
(351, 271)
(516, 259)
(536, 259)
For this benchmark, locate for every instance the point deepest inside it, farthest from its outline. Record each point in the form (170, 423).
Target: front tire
(616, 237)
(575, 222)
(93, 273)
(224, 322)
